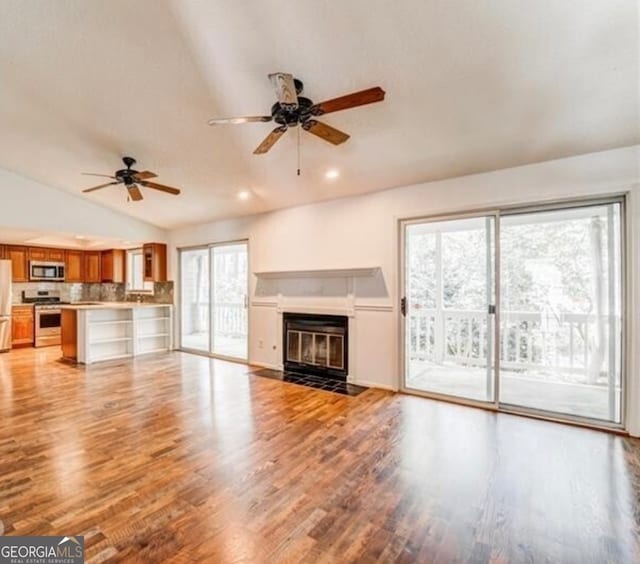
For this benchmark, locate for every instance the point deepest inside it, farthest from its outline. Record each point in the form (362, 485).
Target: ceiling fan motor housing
(294, 116)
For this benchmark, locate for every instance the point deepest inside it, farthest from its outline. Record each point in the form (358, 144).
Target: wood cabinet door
(112, 267)
(38, 253)
(92, 266)
(3, 252)
(55, 255)
(74, 266)
(22, 326)
(19, 264)
(154, 258)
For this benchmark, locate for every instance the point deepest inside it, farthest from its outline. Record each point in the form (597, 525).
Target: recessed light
(332, 174)
(244, 195)
(80, 237)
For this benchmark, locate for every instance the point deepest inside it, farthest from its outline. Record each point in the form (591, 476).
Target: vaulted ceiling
(471, 86)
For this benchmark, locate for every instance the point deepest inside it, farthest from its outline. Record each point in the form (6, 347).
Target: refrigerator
(5, 305)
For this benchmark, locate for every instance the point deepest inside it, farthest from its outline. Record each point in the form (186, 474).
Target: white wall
(28, 205)
(362, 231)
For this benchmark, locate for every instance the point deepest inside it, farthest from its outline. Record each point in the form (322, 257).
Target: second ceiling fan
(292, 110)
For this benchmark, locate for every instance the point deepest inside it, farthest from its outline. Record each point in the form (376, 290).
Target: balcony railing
(570, 343)
(229, 319)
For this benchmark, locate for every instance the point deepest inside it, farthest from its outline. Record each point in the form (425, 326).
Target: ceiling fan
(292, 110)
(131, 179)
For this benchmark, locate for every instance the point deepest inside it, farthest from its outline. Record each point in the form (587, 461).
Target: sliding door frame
(515, 209)
(209, 247)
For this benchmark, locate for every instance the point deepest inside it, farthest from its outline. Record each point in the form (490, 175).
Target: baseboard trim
(264, 365)
(377, 385)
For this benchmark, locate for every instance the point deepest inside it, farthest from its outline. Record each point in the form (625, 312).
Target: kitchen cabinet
(46, 255)
(55, 255)
(3, 252)
(112, 268)
(19, 263)
(22, 326)
(154, 262)
(38, 253)
(92, 260)
(74, 261)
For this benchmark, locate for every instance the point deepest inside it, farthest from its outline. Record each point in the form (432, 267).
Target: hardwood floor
(179, 458)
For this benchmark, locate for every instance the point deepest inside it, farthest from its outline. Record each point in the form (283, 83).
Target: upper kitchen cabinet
(19, 262)
(46, 255)
(74, 271)
(55, 255)
(39, 254)
(112, 267)
(154, 262)
(92, 260)
(3, 252)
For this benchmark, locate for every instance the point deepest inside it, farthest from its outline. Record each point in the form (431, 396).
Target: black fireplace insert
(316, 344)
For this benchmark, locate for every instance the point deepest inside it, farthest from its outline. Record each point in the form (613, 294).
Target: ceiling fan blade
(245, 119)
(94, 174)
(369, 96)
(145, 175)
(285, 89)
(99, 187)
(270, 140)
(160, 187)
(326, 132)
(134, 192)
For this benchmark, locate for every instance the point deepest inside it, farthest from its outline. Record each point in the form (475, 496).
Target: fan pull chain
(298, 150)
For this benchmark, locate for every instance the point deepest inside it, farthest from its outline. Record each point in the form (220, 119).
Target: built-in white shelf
(110, 340)
(153, 335)
(151, 351)
(123, 332)
(322, 273)
(110, 357)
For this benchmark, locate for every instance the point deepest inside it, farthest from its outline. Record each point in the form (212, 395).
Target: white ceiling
(63, 240)
(471, 86)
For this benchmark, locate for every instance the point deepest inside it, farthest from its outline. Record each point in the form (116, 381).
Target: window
(135, 269)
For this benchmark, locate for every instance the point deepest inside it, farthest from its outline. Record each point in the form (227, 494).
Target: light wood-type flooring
(178, 458)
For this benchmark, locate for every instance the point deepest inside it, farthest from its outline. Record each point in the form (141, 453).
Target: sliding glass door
(560, 315)
(213, 303)
(194, 299)
(559, 339)
(449, 304)
(229, 299)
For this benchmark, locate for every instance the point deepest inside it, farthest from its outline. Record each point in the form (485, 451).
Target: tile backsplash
(76, 292)
(68, 292)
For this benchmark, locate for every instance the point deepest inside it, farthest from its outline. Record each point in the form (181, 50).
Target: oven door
(48, 327)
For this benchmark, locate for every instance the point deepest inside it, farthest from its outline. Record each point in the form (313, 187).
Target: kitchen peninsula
(107, 331)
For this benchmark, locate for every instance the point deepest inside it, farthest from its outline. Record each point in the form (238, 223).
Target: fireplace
(316, 344)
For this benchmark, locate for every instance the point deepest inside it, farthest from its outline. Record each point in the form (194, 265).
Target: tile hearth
(317, 382)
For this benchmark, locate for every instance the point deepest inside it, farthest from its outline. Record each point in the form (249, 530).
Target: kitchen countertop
(112, 305)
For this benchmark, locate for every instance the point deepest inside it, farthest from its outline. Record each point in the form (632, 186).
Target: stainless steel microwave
(51, 271)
